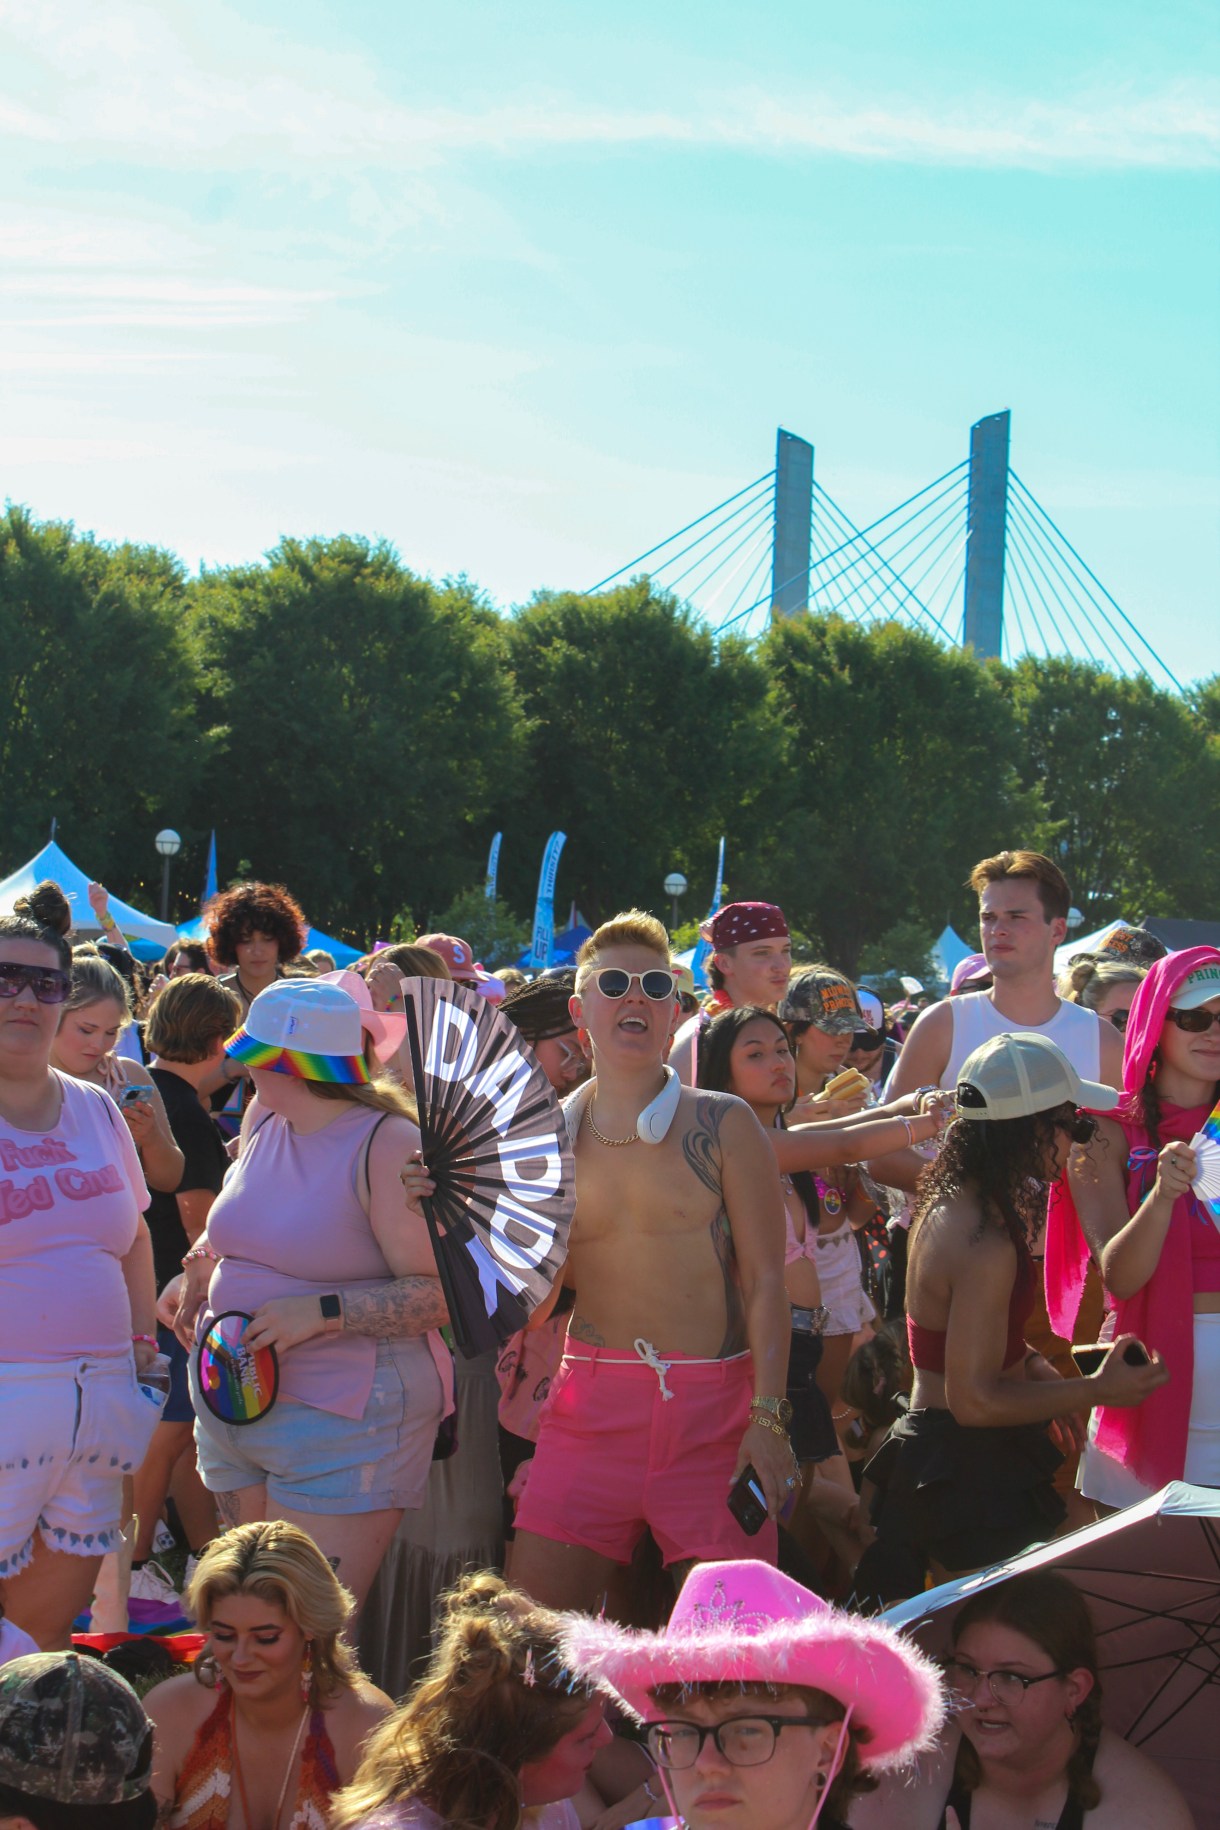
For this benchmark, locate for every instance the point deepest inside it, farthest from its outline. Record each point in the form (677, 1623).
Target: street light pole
(674, 886)
(169, 844)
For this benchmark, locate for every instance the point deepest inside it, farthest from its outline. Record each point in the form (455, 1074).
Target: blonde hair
(1087, 981)
(381, 1094)
(411, 962)
(633, 928)
(281, 1564)
(96, 981)
(496, 1694)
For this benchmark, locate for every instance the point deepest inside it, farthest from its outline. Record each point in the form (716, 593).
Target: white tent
(949, 951)
(54, 863)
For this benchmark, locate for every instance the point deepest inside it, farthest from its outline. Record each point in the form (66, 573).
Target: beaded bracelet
(149, 1340)
(200, 1251)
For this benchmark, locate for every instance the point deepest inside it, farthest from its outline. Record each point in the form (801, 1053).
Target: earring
(307, 1672)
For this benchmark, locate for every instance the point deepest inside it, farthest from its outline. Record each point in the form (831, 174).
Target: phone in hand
(134, 1096)
(748, 1503)
(1091, 1358)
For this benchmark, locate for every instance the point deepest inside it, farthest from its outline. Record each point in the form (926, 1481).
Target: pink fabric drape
(1149, 1438)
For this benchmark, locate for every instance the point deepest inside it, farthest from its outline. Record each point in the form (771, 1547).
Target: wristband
(149, 1340)
(907, 1124)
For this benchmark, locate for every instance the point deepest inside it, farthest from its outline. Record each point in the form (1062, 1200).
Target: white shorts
(842, 1279)
(69, 1431)
(1103, 1479)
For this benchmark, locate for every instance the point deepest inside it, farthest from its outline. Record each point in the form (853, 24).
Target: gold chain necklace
(612, 1143)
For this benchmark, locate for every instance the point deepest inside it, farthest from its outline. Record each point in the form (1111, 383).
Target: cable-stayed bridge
(972, 557)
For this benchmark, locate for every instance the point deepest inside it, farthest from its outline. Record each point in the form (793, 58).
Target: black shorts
(812, 1428)
(966, 1497)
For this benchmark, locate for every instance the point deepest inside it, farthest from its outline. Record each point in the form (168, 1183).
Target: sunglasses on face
(1194, 1022)
(656, 984)
(48, 983)
(1119, 1020)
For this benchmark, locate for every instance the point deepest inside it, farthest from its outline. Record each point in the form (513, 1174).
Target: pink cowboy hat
(747, 1623)
(388, 1028)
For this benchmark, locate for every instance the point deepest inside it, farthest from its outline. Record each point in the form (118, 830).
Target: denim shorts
(316, 1461)
(69, 1431)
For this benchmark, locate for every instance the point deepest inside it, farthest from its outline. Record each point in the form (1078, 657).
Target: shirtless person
(750, 964)
(675, 1369)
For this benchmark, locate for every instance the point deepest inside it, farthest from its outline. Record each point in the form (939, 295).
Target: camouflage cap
(824, 999)
(72, 1731)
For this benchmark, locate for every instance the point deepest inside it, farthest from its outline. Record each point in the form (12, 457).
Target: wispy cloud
(129, 85)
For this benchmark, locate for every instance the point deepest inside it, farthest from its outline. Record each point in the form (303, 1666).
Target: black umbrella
(496, 1144)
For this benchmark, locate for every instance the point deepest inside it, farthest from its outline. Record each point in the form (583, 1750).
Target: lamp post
(675, 886)
(169, 845)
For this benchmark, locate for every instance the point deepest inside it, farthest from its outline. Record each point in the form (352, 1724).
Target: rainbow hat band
(305, 1028)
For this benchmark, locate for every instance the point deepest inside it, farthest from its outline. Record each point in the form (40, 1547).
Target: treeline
(359, 733)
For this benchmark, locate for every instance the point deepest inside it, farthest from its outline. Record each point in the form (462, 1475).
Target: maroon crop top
(927, 1345)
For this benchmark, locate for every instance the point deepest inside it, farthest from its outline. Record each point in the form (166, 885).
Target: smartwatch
(332, 1313)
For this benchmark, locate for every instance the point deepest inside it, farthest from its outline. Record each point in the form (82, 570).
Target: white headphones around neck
(654, 1121)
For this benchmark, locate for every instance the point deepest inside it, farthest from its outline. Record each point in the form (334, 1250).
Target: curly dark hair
(267, 907)
(1007, 1164)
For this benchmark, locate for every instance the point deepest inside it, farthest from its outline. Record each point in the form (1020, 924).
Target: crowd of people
(810, 1351)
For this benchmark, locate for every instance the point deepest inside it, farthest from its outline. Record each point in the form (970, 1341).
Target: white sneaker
(153, 1584)
(163, 1539)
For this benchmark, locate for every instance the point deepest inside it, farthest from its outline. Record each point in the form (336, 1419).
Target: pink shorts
(616, 1457)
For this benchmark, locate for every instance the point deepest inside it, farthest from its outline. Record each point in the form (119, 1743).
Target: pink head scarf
(1149, 1438)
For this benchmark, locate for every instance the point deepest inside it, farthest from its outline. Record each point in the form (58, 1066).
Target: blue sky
(524, 288)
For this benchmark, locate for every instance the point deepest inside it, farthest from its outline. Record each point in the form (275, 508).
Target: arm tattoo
(396, 1309)
(701, 1144)
(227, 1509)
(580, 1330)
(735, 1339)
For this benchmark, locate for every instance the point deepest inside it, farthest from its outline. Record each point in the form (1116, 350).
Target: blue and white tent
(52, 862)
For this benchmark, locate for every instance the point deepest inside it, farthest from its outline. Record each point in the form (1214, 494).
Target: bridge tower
(986, 521)
(790, 549)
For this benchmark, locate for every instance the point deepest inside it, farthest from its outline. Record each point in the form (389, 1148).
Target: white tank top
(1073, 1029)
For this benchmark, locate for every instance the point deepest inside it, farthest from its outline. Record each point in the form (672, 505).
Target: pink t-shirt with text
(70, 1205)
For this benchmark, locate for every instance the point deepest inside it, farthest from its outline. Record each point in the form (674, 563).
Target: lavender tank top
(288, 1222)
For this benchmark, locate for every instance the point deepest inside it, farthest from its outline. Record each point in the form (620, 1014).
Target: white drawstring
(660, 1367)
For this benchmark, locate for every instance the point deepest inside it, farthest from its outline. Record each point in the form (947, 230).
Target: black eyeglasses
(743, 1741)
(1195, 1022)
(48, 983)
(1005, 1686)
(657, 984)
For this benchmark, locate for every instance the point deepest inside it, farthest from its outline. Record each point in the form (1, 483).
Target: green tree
(898, 775)
(366, 728)
(496, 935)
(1131, 782)
(98, 732)
(647, 740)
